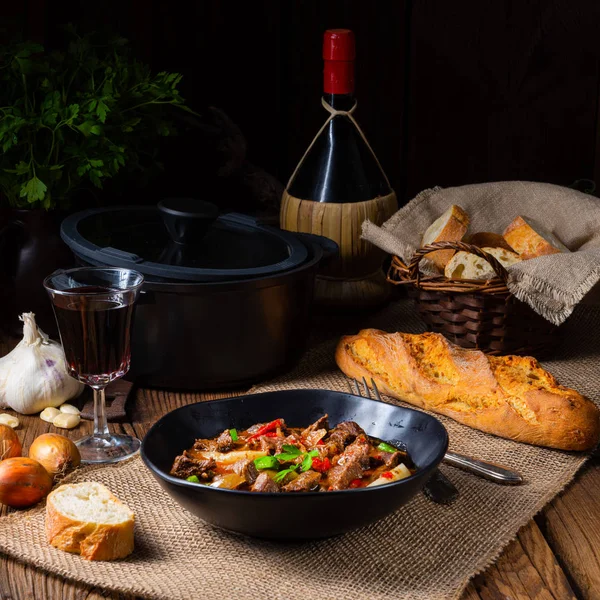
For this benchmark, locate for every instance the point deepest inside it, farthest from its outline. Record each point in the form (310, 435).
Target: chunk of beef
(274, 445)
(264, 483)
(245, 467)
(351, 464)
(323, 451)
(282, 429)
(268, 444)
(208, 445)
(341, 476)
(388, 459)
(271, 441)
(391, 459)
(321, 423)
(225, 442)
(345, 433)
(254, 428)
(254, 444)
(291, 440)
(357, 451)
(331, 448)
(185, 467)
(314, 437)
(305, 482)
(351, 428)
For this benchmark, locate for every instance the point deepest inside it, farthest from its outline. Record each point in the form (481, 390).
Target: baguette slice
(487, 239)
(465, 265)
(509, 396)
(450, 227)
(85, 518)
(530, 239)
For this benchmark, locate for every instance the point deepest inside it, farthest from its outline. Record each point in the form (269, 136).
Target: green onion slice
(386, 447)
(286, 457)
(234, 434)
(282, 474)
(289, 453)
(306, 463)
(193, 479)
(266, 462)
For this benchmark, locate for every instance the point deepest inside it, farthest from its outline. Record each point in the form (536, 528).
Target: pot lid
(164, 245)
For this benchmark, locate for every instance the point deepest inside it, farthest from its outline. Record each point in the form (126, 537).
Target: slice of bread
(530, 239)
(450, 227)
(87, 519)
(487, 239)
(465, 265)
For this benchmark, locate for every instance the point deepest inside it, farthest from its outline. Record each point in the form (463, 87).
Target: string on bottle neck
(333, 112)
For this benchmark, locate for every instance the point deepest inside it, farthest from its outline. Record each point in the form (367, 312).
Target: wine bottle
(339, 166)
(338, 184)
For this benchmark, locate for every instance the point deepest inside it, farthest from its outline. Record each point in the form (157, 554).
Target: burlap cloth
(423, 551)
(551, 285)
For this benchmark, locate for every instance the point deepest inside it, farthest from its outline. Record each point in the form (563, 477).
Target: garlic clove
(66, 420)
(69, 409)
(49, 414)
(10, 420)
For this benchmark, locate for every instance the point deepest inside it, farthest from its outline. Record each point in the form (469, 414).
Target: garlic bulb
(34, 375)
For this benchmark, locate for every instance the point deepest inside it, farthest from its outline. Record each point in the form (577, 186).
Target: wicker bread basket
(474, 314)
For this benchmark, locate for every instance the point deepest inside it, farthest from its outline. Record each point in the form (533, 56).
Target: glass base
(107, 448)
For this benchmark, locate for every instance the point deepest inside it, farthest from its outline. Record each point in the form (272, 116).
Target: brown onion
(10, 446)
(57, 453)
(23, 482)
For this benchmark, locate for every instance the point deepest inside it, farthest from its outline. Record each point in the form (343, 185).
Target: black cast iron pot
(228, 310)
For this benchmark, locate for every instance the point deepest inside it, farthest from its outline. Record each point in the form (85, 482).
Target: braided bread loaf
(509, 396)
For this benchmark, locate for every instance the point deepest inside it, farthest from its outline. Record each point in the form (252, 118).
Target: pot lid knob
(187, 219)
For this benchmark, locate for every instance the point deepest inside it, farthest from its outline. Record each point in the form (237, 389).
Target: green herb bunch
(72, 119)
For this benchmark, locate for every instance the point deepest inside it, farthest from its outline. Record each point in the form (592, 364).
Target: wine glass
(93, 308)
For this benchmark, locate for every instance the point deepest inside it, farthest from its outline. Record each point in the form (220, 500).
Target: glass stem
(100, 424)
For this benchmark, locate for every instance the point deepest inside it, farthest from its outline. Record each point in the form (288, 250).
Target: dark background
(450, 91)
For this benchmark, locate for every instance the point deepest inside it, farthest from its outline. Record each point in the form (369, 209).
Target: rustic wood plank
(19, 581)
(571, 526)
(527, 569)
(539, 552)
(470, 593)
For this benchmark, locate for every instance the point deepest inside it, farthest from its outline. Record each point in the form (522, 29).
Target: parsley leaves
(73, 119)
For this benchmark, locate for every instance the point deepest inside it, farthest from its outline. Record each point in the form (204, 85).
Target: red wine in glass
(95, 333)
(93, 308)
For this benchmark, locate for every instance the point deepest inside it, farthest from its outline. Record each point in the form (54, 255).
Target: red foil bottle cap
(338, 44)
(339, 51)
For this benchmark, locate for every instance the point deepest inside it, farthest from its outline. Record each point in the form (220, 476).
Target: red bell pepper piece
(355, 483)
(321, 465)
(266, 429)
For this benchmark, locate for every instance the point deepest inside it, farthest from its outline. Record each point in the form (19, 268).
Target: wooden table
(555, 556)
